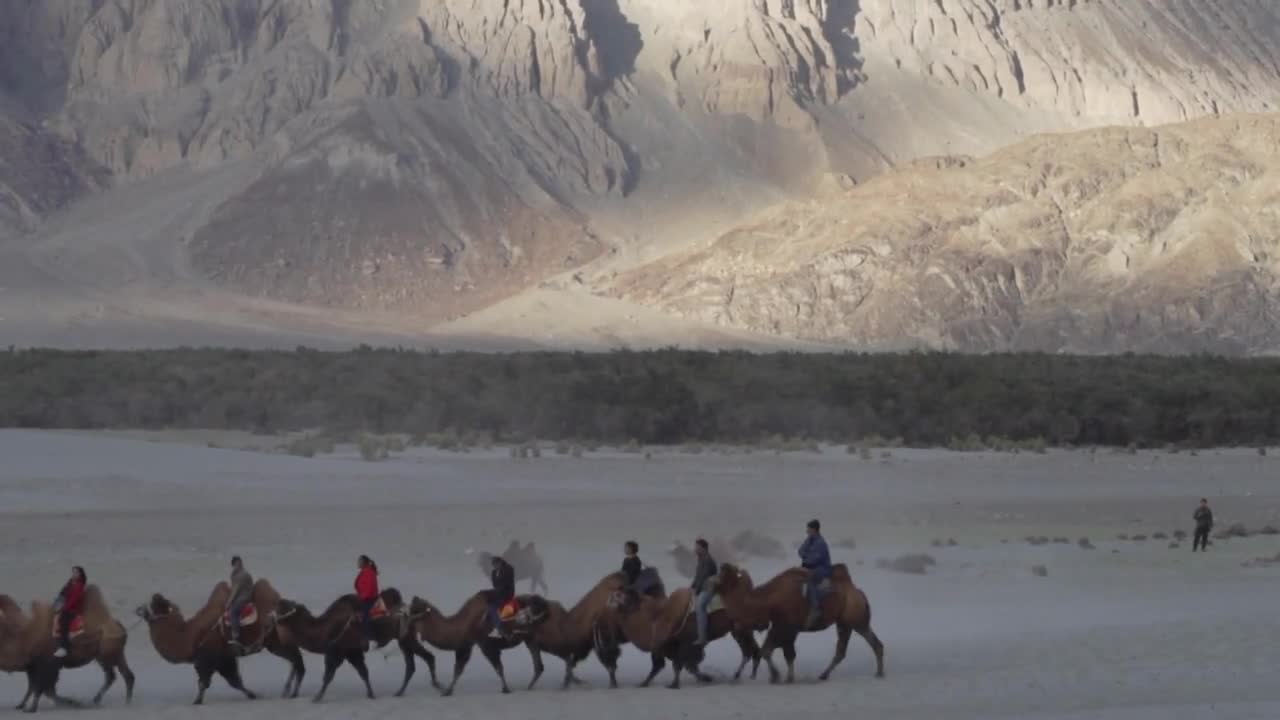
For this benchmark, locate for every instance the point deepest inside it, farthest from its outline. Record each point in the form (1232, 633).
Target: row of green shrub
(662, 397)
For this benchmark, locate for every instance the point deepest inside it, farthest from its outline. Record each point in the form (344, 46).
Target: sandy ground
(1129, 630)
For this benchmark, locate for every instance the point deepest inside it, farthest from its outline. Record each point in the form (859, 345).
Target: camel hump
(264, 594)
(840, 573)
(392, 598)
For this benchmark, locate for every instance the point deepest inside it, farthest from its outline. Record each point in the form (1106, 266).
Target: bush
(373, 448)
(665, 397)
(309, 446)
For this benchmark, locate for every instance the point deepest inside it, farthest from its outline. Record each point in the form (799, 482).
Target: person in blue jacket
(816, 558)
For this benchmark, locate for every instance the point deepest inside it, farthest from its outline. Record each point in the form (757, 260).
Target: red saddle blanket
(248, 616)
(76, 628)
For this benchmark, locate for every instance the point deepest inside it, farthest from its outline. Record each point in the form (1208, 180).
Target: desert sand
(1129, 630)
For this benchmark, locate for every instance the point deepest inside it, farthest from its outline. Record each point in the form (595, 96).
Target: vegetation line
(660, 397)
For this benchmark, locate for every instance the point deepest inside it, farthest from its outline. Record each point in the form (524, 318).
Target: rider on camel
(503, 577)
(367, 592)
(69, 606)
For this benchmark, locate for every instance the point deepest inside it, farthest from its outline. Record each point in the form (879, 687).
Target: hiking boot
(700, 642)
(60, 652)
(815, 617)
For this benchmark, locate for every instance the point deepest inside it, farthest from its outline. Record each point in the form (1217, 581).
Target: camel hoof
(506, 691)
(880, 675)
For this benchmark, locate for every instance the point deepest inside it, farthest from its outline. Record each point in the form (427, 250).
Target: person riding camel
(503, 577)
(631, 565)
(241, 595)
(703, 586)
(367, 593)
(816, 558)
(69, 605)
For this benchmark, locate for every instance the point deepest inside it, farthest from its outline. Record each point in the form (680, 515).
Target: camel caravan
(245, 617)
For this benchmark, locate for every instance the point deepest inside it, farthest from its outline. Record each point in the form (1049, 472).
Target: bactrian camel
(338, 636)
(782, 606)
(28, 642)
(204, 639)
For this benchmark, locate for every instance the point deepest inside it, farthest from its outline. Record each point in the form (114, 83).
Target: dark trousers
(64, 629)
(1201, 540)
(235, 620)
(366, 624)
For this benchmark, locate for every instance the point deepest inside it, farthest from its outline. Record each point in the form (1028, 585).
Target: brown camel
(27, 643)
(666, 628)
(204, 640)
(781, 604)
(471, 626)
(338, 636)
(572, 634)
(524, 560)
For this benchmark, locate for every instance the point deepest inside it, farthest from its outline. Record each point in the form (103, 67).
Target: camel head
(285, 609)
(157, 609)
(677, 548)
(419, 608)
(732, 577)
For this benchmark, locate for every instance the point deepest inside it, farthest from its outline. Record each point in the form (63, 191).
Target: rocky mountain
(428, 166)
(1161, 240)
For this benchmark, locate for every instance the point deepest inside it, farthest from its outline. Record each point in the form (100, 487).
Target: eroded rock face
(431, 156)
(1107, 240)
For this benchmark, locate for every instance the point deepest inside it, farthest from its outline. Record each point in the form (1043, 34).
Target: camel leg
(493, 653)
(460, 658)
(204, 678)
(410, 665)
(229, 669)
(416, 648)
(771, 642)
(356, 658)
(677, 666)
(659, 663)
(843, 632)
(109, 679)
(23, 705)
(297, 669)
(122, 665)
(569, 678)
(877, 647)
(535, 654)
(750, 652)
(332, 661)
(789, 654)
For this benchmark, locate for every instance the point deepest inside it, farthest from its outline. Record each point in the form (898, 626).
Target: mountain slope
(421, 161)
(1162, 239)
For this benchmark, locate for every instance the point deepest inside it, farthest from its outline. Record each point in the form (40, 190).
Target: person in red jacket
(69, 606)
(367, 592)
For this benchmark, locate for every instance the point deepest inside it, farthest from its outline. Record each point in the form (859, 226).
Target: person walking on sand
(1204, 525)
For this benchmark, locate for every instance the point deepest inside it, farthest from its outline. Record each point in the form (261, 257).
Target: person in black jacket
(503, 577)
(631, 565)
(1204, 525)
(704, 586)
